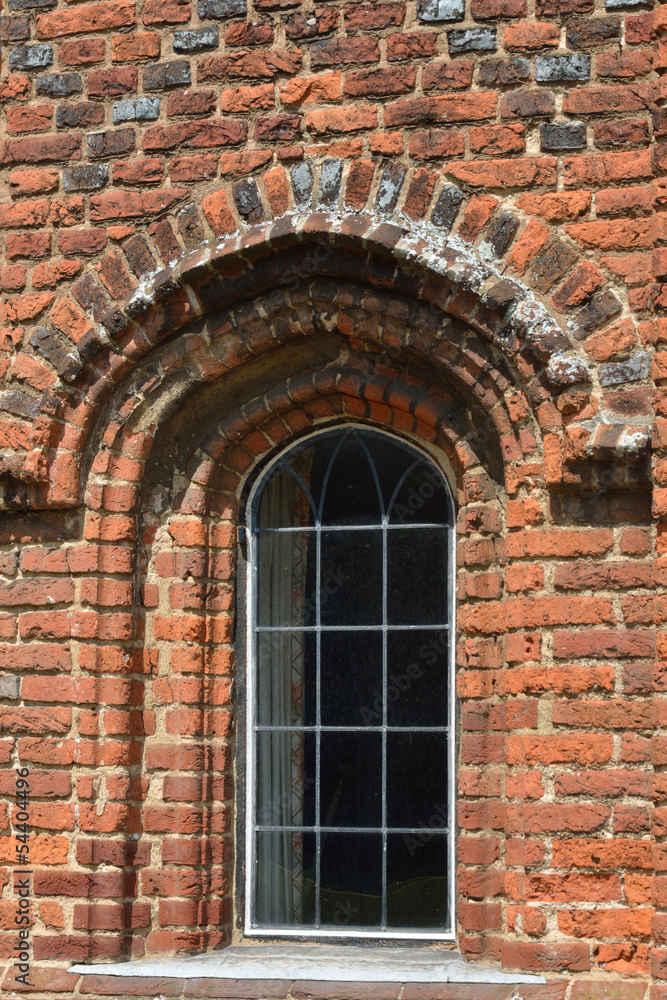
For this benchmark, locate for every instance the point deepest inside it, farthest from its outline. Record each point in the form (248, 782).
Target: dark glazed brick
(390, 186)
(330, 180)
(591, 33)
(472, 40)
(90, 295)
(551, 265)
(59, 84)
(576, 66)
(196, 40)
(504, 72)
(31, 56)
(165, 75)
(601, 308)
(48, 345)
(556, 137)
(446, 207)
(278, 128)
(86, 177)
(248, 201)
(15, 29)
(138, 255)
(501, 233)
(535, 104)
(110, 143)
(302, 182)
(31, 4)
(79, 115)
(434, 11)
(221, 9)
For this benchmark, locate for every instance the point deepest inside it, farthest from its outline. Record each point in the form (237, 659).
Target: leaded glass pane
(351, 537)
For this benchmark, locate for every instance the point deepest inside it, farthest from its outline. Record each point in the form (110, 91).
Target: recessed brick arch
(186, 625)
(445, 276)
(388, 329)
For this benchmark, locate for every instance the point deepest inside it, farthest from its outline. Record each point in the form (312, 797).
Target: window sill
(292, 964)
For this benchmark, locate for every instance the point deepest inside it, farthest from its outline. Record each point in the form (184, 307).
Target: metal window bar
(317, 528)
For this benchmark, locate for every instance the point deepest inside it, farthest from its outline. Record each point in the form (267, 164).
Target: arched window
(350, 700)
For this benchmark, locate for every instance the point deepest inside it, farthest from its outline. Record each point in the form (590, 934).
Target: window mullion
(318, 716)
(384, 724)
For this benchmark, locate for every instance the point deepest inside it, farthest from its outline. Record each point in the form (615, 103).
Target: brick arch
(189, 568)
(381, 334)
(449, 275)
(272, 235)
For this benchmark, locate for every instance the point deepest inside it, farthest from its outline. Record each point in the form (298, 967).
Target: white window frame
(252, 930)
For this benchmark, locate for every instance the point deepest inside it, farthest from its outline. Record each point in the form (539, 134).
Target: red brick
(140, 45)
(506, 173)
(497, 140)
(553, 957)
(530, 37)
(36, 118)
(340, 121)
(87, 17)
(411, 45)
(449, 108)
(166, 11)
(41, 149)
(437, 143)
(82, 51)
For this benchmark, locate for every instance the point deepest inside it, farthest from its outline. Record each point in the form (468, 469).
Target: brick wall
(224, 225)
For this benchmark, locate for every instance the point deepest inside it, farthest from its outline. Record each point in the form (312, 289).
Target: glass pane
(285, 779)
(351, 879)
(285, 878)
(284, 503)
(351, 494)
(351, 779)
(391, 459)
(311, 462)
(422, 499)
(351, 580)
(417, 678)
(283, 562)
(417, 887)
(351, 678)
(417, 576)
(416, 779)
(283, 659)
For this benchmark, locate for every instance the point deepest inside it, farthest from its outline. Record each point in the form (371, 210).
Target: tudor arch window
(350, 699)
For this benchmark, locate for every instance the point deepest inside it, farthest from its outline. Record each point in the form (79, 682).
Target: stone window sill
(297, 970)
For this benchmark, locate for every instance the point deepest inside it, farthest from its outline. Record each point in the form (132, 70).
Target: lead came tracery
(351, 788)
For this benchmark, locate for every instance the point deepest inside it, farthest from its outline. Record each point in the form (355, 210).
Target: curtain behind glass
(280, 680)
